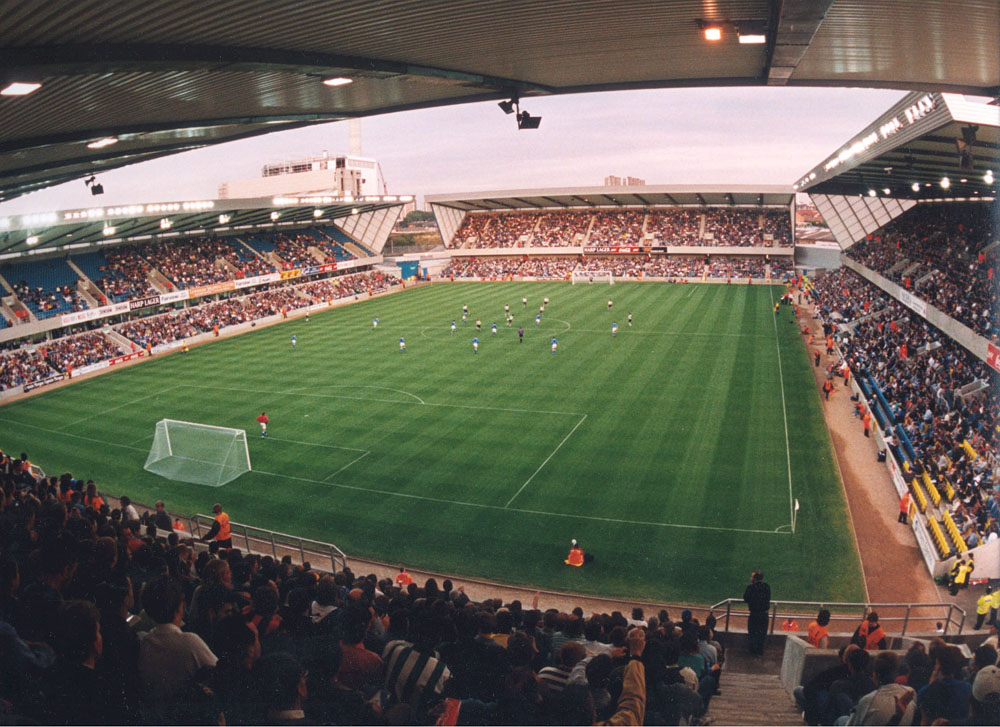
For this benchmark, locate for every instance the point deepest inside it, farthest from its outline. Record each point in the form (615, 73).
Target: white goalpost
(591, 276)
(202, 454)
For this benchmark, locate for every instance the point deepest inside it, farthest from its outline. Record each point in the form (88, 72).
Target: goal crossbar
(591, 276)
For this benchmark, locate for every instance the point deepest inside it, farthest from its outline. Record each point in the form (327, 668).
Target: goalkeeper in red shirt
(262, 420)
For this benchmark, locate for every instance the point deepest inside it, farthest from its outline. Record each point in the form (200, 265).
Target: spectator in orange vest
(403, 580)
(818, 634)
(220, 529)
(827, 388)
(577, 557)
(904, 507)
(869, 635)
(866, 421)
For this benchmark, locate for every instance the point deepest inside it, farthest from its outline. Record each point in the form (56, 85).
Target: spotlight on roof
(527, 121)
(165, 223)
(317, 213)
(95, 188)
(19, 88)
(275, 216)
(223, 219)
(508, 106)
(101, 143)
(945, 182)
(108, 230)
(988, 177)
(337, 81)
(872, 192)
(712, 32)
(915, 186)
(966, 161)
(887, 191)
(751, 32)
(32, 239)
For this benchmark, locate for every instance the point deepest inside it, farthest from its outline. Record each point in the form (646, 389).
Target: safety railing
(261, 540)
(950, 617)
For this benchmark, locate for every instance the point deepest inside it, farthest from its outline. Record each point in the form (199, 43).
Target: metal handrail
(263, 537)
(954, 615)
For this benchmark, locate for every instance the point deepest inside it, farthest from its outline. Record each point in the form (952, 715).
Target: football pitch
(674, 451)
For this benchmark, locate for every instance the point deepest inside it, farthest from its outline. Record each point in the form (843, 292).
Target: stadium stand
(125, 275)
(47, 287)
(917, 381)
(81, 350)
(22, 367)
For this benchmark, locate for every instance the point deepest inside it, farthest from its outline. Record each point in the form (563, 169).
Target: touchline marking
(314, 444)
(551, 454)
(692, 334)
(436, 499)
(127, 403)
(356, 459)
(351, 386)
(384, 401)
(482, 506)
(784, 414)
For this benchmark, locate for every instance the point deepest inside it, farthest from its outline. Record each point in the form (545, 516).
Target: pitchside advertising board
(993, 357)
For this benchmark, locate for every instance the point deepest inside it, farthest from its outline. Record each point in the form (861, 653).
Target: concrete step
(753, 699)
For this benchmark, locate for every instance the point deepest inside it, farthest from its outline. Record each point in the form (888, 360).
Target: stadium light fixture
(712, 32)
(945, 182)
(872, 193)
(101, 143)
(108, 230)
(751, 32)
(275, 216)
(317, 213)
(988, 177)
(963, 180)
(95, 188)
(887, 191)
(337, 81)
(32, 239)
(527, 121)
(165, 223)
(20, 88)
(915, 186)
(508, 106)
(224, 219)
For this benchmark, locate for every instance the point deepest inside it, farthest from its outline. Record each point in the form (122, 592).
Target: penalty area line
(356, 459)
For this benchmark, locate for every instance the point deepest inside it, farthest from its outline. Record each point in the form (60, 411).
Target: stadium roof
(645, 196)
(127, 82)
(76, 229)
(919, 140)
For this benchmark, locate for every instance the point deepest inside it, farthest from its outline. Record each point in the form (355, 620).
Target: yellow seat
(938, 537)
(956, 537)
(969, 450)
(918, 495)
(931, 489)
(949, 491)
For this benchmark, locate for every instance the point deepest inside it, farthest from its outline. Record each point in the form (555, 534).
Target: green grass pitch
(672, 452)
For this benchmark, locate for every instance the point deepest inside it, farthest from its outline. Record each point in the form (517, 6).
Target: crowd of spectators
(627, 227)
(46, 303)
(620, 266)
(921, 373)
(559, 229)
(80, 350)
(617, 228)
(22, 367)
(940, 253)
(244, 260)
(187, 263)
(294, 249)
(126, 275)
(112, 617)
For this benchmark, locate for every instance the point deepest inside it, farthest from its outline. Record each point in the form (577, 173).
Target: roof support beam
(797, 23)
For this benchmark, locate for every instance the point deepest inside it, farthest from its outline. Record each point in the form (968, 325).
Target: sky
(759, 135)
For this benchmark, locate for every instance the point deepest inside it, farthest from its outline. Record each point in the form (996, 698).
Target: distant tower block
(354, 137)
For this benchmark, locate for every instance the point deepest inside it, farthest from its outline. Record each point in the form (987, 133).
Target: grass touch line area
(667, 450)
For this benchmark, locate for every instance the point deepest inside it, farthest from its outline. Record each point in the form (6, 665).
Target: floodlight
(101, 143)
(165, 224)
(32, 239)
(317, 213)
(945, 182)
(508, 106)
(108, 230)
(988, 177)
(713, 32)
(338, 81)
(915, 186)
(886, 191)
(95, 188)
(871, 192)
(19, 88)
(275, 216)
(223, 219)
(527, 121)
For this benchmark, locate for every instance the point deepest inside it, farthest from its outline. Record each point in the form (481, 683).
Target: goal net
(591, 276)
(198, 453)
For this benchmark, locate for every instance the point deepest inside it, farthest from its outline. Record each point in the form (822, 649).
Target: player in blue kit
(475, 345)
(614, 329)
(493, 329)
(538, 319)
(402, 345)
(554, 344)
(294, 341)
(374, 323)
(453, 326)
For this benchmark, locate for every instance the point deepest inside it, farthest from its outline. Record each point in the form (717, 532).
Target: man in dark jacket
(758, 599)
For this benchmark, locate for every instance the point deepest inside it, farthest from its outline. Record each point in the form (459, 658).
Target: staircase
(753, 699)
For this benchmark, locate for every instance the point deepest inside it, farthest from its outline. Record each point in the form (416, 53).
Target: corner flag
(796, 505)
